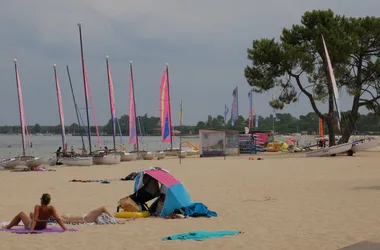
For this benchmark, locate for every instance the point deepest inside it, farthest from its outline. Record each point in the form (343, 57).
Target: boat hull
(362, 146)
(334, 150)
(161, 155)
(76, 161)
(128, 156)
(32, 161)
(182, 154)
(11, 163)
(109, 159)
(149, 156)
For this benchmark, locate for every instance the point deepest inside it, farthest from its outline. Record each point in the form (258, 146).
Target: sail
(333, 82)
(92, 108)
(60, 109)
(132, 114)
(21, 107)
(112, 101)
(164, 109)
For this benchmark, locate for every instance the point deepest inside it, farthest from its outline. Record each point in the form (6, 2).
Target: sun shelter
(177, 196)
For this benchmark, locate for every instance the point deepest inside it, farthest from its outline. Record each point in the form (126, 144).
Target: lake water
(45, 146)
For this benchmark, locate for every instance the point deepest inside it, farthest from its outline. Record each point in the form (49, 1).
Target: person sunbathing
(99, 216)
(39, 219)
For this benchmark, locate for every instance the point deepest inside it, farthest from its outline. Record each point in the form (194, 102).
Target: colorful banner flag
(132, 114)
(235, 107)
(226, 110)
(164, 109)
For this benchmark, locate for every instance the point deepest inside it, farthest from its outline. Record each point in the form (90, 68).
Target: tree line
(283, 123)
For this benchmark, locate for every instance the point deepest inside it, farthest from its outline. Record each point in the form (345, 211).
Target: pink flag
(132, 114)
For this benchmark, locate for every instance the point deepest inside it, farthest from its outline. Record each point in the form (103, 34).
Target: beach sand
(282, 202)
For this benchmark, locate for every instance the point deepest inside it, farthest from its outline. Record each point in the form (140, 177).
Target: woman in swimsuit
(39, 219)
(93, 216)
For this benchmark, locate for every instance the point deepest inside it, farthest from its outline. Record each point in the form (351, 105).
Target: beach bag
(129, 205)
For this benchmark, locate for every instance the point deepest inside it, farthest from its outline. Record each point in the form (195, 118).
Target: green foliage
(354, 50)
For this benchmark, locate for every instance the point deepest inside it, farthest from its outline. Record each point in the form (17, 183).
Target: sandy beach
(282, 202)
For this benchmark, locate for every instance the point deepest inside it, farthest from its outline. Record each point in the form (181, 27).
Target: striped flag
(226, 110)
(250, 113)
(235, 107)
(180, 114)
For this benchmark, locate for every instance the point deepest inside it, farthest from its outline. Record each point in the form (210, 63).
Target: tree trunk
(331, 130)
(346, 135)
(350, 124)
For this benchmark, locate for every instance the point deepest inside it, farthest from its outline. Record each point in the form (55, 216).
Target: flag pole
(180, 134)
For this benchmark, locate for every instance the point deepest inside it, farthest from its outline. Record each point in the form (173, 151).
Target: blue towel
(201, 235)
(198, 209)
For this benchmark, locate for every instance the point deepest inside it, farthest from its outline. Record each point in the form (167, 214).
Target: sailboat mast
(85, 87)
(20, 108)
(134, 106)
(59, 106)
(110, 90)
(170, 112)
(76, 106)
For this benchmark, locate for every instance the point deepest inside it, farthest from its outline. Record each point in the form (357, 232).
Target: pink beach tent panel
(165, 178)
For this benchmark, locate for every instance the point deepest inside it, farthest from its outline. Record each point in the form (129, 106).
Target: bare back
(43, 214)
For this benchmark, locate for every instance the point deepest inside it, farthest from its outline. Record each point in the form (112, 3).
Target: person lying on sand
(99, 216)
(39, 219)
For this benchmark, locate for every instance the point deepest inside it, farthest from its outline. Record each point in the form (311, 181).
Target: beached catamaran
(340, 148)
(74, 160)
(112, 157)
(30, 161)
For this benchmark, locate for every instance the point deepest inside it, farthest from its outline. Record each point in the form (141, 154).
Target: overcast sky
(204, 42)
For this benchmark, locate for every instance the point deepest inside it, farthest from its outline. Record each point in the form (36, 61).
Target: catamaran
(30, 161)
(340, 148)
(73, 160)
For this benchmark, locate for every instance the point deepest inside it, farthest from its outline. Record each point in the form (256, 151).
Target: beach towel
(201, 235)
(104, 181)
(198, 209)
(22, 230)
(39, 169)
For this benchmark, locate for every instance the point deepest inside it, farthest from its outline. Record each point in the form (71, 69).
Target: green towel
(201, 235)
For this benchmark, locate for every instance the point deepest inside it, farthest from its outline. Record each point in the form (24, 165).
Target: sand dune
(283, 202)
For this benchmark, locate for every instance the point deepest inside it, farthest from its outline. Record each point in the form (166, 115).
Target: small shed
(218, 143)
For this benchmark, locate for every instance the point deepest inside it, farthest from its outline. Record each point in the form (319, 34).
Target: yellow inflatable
(123, 215)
